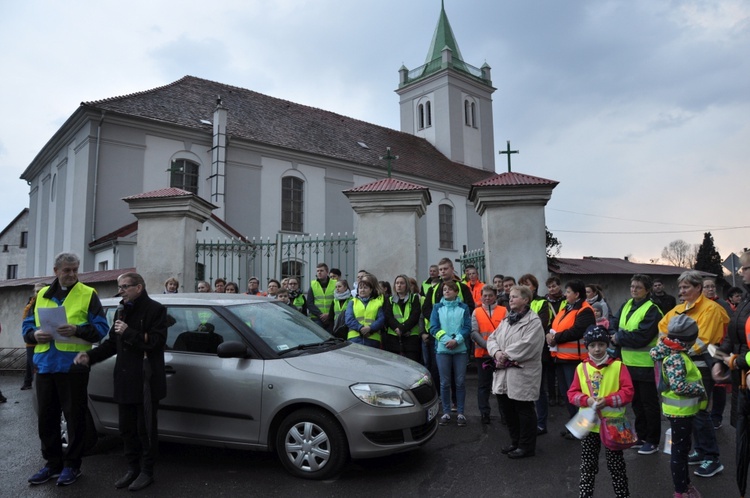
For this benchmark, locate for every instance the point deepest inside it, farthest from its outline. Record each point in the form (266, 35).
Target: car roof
(197, 299)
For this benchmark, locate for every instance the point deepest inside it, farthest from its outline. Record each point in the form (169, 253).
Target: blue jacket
(450, 320)
(352, 322)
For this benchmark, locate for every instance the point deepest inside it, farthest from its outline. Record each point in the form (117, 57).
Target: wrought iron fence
(280, 257)
(474, 257)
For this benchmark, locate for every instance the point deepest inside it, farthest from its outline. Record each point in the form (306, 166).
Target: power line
(629, 219)
(650, 233)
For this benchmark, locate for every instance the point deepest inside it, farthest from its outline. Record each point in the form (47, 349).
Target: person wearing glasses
(137, 337)
(61, 385)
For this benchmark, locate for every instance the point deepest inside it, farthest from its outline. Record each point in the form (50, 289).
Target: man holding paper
(68, 317)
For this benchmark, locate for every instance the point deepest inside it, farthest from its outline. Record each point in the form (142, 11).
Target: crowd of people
(530, 351)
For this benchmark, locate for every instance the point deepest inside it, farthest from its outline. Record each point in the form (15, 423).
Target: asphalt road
(457, 462)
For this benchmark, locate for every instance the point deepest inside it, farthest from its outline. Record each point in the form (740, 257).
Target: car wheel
(311, 444)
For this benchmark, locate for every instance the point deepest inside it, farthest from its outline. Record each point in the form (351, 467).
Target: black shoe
(508, 449)
(142, 481)
(485, 418)
(570, 437)
(25, 387)
(519, 453)
(540, 431)
(3, 399)
(127, 479)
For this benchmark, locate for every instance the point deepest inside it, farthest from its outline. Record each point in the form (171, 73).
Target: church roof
(190, 102)
(162, 192)
(443, 37)
(511, 179)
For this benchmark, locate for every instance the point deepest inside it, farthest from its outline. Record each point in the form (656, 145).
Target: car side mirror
(232, 349)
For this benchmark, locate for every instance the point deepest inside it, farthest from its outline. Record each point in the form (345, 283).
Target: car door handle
(169, 370)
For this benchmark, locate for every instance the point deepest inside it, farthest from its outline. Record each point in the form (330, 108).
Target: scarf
(514, 316)
(599, 361)
(342, 295)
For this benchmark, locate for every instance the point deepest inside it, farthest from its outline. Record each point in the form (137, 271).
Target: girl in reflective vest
(402, 315)
(602, 383)
(683, 395)
(341, 297)
(364, 313)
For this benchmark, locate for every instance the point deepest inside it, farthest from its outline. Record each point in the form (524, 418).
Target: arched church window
(446, 226)
(473, 115)
(184, 175)
(420, 112)
(292, 204)
(428, 112)
(467, 113)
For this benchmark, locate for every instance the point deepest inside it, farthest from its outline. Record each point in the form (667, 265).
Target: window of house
(24, 239)
(11, 272)
(293, 269)
(446, 227)
(5, 247)
(184, 175)
(103, 265)
(292, 204)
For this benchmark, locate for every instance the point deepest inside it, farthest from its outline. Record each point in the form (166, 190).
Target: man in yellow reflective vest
(636, 330)
(61, 386)
(320, 296)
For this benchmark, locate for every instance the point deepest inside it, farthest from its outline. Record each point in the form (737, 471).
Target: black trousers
(64, 393)
(140, 442)
(647, 411)
(521, 419)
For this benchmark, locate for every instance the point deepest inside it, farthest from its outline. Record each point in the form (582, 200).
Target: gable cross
(509, 152)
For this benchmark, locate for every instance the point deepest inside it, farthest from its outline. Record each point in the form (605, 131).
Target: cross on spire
(388, 157)
(509, 152)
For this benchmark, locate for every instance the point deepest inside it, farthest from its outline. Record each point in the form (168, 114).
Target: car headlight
(381, 395)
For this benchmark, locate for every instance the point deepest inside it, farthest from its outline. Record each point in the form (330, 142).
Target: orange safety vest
(476, 292)
(572, 350)
(487, 325)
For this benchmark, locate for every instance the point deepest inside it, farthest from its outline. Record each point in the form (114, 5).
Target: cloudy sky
(639, 108)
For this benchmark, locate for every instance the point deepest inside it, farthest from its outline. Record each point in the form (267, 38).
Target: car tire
(311, 444)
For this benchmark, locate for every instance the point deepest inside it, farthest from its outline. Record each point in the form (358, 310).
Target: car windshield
(280, 326)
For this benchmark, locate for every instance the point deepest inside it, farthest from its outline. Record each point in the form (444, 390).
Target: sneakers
(695, 458)
(690, 493)
(454, 408)
(445, 419)
(709, 468)
(461, 420)
(638, 444)
(68, 476)
(25, 387)
(648, 449)
(44, 475)
(485, 418)
(717, 425)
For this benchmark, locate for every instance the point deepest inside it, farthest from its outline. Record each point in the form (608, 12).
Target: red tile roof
(513, 179)
(387, 185)
(162, 192)
(255, 117)
(116, 234)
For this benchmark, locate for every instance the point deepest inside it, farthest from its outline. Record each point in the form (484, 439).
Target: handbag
(616, 433)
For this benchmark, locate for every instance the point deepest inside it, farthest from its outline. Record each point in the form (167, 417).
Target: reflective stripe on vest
(682, 406)
(487, 325)
(609, 383)
(572, 350)
(637, 357)
(339, 305)
(323, 297)
(76, 305)
(402, 317)
(365, 315)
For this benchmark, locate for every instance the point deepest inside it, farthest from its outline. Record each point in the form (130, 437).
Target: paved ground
(457, 462)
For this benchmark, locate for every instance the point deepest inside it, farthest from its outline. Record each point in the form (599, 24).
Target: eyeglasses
(126, 286)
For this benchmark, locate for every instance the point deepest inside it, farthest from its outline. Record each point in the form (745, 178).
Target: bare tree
(679, 253)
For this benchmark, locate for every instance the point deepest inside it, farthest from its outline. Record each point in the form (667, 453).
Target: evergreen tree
(553, 245)
(708, 258)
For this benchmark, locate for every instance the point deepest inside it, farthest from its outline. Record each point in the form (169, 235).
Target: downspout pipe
(96, 176)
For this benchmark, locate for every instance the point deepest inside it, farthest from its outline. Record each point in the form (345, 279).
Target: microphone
(119, 312)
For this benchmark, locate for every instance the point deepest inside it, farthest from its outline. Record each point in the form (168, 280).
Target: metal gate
(283, 256)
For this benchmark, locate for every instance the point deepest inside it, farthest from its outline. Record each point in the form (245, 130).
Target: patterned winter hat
(596, 333)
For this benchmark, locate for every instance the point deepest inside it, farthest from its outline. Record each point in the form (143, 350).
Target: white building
(269, 165)
(14, 243)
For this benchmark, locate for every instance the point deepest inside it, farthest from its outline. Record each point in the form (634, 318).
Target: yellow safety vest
(366, 314)
(673, 404)
(610, 383)
(323, 297)
(637, 357)
(401, 318)
(76, 311)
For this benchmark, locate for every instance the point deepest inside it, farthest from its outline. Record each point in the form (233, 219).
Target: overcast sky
(639, 108)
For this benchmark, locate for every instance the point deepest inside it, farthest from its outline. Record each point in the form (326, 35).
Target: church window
(292, 204)
(473, 115)
(184, 175)
(428, 112)
(470, 113)
(420, 112)
(467, 113)
(446, 226)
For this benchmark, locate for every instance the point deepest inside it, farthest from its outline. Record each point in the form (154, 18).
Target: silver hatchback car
(251, 373)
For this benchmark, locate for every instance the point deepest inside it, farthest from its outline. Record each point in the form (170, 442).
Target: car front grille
(418, 433)
(422, 431)
(424, 393)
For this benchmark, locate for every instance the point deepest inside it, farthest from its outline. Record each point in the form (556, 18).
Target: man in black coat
(137, 337)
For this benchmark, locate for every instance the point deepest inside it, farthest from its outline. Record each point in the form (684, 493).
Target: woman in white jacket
(516, 346)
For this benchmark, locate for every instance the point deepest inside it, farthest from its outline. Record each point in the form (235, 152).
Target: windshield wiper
(312, 345)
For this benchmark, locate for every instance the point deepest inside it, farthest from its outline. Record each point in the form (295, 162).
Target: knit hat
(682, 327)
(596, 333)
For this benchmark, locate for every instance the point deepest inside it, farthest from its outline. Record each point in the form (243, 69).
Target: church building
(270, 166)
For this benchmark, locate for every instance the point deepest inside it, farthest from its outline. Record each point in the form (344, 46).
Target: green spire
(442, 38)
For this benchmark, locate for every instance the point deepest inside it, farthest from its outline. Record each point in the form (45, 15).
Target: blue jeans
(452, 366)
(565, 374)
